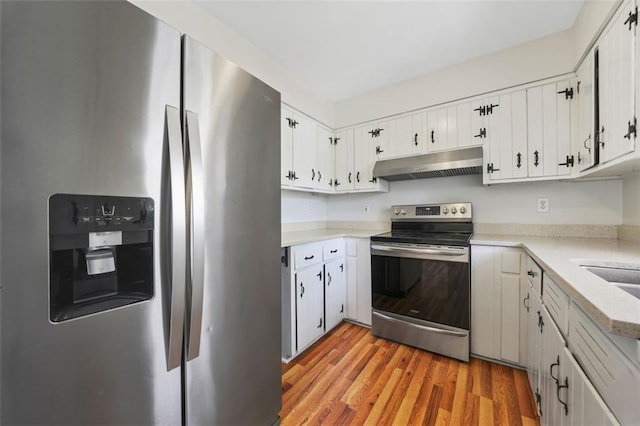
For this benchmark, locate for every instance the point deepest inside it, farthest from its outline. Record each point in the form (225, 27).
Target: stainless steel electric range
(420, 275)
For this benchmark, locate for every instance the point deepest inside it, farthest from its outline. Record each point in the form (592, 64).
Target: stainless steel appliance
(420, 278)
(140, 224)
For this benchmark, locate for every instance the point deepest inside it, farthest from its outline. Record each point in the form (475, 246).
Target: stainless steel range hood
(464, 161)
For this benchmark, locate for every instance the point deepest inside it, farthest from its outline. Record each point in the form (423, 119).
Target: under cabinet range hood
(466, 161)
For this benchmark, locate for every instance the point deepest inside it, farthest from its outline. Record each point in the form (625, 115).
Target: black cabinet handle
(564, 386)
(568, 162)
(330, 182)
(536, 158)
(301, 290)
(519, 161)
(342, 267)
(333, 251)
(415, 139)
(568, 93)
(342, 308)
(319, 275)
(373, 180)
(308, 257)
(631, 130)
(319, 176)
(378, 150)
(482, 134)
(313, 174)
(358, 177)
(349, 179)
(524, 302)
(320, 325)
(531, 273)
(579, 158)
(540, 322)
(433, 136)
(555, 364)
(329, 279)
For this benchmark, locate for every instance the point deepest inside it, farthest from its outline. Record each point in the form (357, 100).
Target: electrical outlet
(543, 205)
(306, 208)
(365, 209)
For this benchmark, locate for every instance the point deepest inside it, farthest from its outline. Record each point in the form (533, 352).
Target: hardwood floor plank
(351, 377)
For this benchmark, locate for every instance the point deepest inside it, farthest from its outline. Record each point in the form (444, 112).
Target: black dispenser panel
(101, 253)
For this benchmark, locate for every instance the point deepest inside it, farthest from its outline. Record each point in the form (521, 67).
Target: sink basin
(624, 276)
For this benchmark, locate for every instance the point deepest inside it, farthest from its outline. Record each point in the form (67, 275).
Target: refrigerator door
(236, 378)
(85, 87)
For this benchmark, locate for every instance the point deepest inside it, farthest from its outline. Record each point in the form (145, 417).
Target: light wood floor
(352, 377)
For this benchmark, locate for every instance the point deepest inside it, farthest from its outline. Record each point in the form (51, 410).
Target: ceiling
(340, 49)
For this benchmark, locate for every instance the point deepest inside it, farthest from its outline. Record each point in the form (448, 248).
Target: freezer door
(85, 89)
(235, 379)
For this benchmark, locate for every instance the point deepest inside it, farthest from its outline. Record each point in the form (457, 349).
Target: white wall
(589, 23)
(192, 20)
(303, 207)
(631, 200)
(578, 203)
(538, 59)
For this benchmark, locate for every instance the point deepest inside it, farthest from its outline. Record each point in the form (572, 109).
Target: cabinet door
(405, 136)
(309, 306)
(335, 292)
(584, 139)
(365, 158)
(533, 348)
(286, 146)
(552, 345)
(325, 161)
(616, 84)
(510, 280)
(483, 301)
(583, 403)
(344, 152)
(304, 151)
(437, 130)
(506, 131)
(364, 282)
(465, 135)
(452, 128)
(382, 140)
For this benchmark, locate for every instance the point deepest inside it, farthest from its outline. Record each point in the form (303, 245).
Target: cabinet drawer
(306, 254)
(534, 275)
(615, 378)
(557, 302)
(333, 248)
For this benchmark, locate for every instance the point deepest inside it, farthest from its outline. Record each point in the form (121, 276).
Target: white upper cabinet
(437, 135)
(505, 133)
(616, 78)
(286, 147)
(549, 129)
(367, 151)
(298, 149)
(378, 133)
(584, 140)
(324, 172)
(344, 152)
(406, 136)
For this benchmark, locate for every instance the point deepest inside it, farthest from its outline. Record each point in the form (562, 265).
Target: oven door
(431, 283)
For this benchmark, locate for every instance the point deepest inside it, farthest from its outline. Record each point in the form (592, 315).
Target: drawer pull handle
(329, 279)
(320, 325)
(308, 257)
(301, 290)
(555, 364)
(319, 275)
(558, 387)
(333, 251)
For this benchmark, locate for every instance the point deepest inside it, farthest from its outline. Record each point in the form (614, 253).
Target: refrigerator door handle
(175, 252)
(195, 215)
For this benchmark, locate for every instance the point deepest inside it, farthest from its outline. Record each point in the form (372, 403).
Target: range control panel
(432, 212)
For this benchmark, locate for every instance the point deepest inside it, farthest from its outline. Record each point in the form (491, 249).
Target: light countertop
(615, 310)
(309, 236)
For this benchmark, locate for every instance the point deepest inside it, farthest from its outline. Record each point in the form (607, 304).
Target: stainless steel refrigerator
(140, 223)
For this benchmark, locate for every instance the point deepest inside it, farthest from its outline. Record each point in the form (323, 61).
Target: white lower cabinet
(335, 292)
(309, 306)
(498, 315)
(358, 280)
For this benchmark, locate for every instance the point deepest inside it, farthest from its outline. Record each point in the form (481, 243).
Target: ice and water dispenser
(101, 253)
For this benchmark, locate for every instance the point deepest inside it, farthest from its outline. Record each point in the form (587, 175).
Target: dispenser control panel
(95, 213)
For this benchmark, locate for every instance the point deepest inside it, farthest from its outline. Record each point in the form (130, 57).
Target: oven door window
(431, 290)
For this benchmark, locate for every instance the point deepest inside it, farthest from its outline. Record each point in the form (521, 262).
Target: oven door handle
(417, 251)
(422, 327)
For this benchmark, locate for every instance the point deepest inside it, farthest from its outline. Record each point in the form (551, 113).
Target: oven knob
(396, 212)
(463, 210)
(445, 210)
(453, 210)
(403, 211)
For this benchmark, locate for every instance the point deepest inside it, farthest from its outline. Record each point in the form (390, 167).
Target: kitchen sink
(624, 276)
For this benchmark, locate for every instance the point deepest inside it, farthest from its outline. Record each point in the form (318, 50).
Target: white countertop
(615, 310)
(309, 236)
